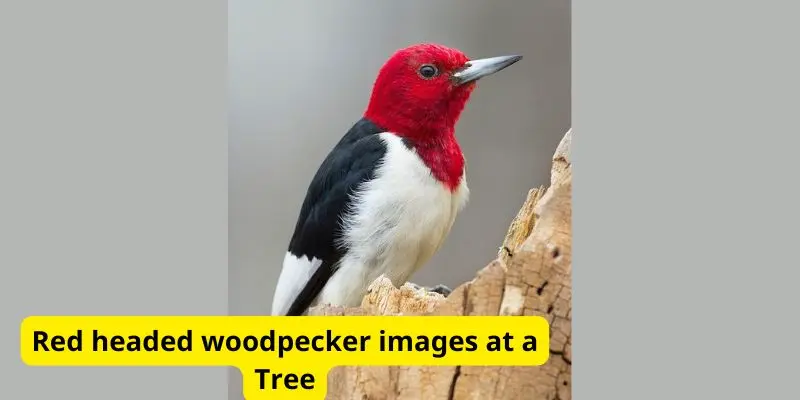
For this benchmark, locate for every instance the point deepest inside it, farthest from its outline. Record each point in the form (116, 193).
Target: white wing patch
(295, 274)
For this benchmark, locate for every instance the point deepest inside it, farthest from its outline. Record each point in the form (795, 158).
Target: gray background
(113, 166)
(113, 191)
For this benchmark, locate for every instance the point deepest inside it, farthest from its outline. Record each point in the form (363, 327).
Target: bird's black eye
(428, 71)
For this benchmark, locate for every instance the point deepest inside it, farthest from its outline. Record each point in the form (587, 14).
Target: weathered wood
(531, 276)
(521, 226)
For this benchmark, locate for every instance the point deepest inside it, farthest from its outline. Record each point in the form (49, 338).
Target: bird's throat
(442, 154)
(432, 136)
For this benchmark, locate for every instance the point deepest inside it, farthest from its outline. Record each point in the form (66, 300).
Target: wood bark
(532, 275)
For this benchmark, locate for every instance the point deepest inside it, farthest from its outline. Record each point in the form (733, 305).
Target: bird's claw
(441, 289)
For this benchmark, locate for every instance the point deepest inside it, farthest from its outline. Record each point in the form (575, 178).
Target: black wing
(351, 162)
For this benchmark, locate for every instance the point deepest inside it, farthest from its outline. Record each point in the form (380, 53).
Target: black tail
(311, 290)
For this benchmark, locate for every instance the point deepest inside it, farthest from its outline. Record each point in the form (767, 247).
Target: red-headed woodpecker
(386, 196)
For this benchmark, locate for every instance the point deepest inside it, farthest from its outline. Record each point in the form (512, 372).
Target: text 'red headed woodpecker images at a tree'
(386, 196)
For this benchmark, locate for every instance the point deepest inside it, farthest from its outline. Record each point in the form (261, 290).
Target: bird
(385, 198)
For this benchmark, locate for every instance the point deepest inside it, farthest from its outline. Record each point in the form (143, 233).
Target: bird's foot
(441, 289)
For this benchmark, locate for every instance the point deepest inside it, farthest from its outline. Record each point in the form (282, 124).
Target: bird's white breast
(397, 222)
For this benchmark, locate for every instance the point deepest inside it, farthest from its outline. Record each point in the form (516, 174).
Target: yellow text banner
(283, 357)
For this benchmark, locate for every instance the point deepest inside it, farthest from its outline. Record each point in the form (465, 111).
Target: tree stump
(532, 275)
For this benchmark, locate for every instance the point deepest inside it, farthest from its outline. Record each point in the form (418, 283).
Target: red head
(422, 89)
(419, 95)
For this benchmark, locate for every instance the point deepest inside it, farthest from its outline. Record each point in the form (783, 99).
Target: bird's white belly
(399, 220)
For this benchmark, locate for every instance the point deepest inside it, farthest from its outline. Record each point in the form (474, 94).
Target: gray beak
(477, 69)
